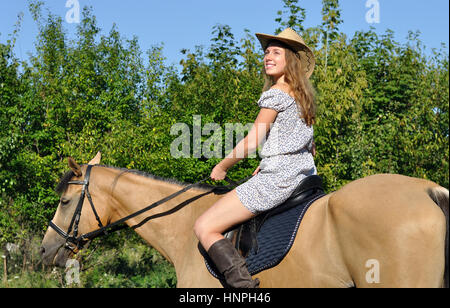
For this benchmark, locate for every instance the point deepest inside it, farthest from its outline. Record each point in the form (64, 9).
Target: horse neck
(171, 235)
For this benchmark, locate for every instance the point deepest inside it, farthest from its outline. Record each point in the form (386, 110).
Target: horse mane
(64, 182)
(66, 178)
(159, 178)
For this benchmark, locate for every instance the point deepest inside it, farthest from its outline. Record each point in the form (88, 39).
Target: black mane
(64, 182)
(158, 178)
(65, 179)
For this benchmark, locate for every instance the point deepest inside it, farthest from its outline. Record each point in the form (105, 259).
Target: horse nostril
(42, 251)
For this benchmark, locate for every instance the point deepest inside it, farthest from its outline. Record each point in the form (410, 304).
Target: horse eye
(64, 201)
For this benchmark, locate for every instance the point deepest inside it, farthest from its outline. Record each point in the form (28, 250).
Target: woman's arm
(248, 145)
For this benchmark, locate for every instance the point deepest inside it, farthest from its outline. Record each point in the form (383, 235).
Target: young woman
(285, 123)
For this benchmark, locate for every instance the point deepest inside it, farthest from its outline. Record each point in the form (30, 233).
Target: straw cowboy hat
(294, 41)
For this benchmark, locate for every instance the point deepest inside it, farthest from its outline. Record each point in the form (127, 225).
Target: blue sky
(186, 23)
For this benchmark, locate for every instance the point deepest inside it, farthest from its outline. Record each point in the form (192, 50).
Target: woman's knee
(200, 227)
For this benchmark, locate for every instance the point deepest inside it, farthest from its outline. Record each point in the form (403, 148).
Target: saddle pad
(275, 239)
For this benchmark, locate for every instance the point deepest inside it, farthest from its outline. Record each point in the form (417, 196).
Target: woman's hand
(256, 171)
(218, 173)
(314, 149)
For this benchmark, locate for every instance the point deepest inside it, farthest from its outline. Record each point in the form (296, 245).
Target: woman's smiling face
(275, 59)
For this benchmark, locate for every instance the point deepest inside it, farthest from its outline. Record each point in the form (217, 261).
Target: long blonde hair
(300, 85)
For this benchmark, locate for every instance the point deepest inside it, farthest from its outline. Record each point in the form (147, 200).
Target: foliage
(107, 263)
(331, 18)
(292, 17)
(382, 108)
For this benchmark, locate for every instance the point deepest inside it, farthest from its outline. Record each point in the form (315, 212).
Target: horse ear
(96, 159)
(74, 166)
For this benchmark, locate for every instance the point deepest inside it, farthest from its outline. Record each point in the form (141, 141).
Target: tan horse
(380, 231)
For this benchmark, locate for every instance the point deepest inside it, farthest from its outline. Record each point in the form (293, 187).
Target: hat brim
(306, 55)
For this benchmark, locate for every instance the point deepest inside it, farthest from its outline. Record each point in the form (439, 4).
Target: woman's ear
(74, 167)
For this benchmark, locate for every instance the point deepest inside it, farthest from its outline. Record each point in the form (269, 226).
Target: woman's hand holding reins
(218, 173)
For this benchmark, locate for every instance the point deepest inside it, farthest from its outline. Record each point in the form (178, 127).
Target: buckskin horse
(398, 221)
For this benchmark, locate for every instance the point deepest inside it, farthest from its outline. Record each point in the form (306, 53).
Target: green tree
(292, 16)
(331, 18)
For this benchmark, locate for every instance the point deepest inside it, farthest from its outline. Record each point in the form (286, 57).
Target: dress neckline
(279, 90)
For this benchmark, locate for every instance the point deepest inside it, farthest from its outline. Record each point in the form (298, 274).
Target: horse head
(73, 216)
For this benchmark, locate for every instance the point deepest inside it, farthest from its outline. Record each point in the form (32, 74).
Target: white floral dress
(286, 157)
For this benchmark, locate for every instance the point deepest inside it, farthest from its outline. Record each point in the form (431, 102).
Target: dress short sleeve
(275, 99)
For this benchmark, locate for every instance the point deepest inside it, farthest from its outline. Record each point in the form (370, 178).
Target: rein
(77, 242)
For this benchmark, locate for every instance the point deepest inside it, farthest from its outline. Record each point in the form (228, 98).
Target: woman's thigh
(225, 213)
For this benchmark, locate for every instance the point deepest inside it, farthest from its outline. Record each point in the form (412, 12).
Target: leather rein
(76, 242)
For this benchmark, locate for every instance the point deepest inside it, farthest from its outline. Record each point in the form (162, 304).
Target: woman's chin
(273, 73)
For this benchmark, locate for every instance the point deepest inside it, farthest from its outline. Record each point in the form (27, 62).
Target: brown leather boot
(231, 264)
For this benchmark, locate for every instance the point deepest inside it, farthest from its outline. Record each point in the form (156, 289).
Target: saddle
(266, 239)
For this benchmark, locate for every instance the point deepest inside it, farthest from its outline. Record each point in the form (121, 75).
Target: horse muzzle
(55, 252)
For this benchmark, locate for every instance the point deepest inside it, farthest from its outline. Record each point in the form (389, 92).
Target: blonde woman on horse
(285, 123)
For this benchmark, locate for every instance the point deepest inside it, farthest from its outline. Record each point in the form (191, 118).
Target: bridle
(75, 242)
(73, 239)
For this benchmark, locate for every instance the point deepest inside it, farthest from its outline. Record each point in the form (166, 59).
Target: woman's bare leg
(225, 213)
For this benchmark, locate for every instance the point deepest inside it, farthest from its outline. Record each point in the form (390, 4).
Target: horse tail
(440, 196)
